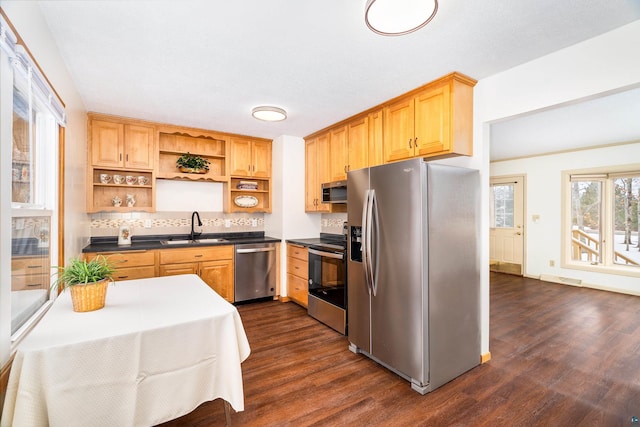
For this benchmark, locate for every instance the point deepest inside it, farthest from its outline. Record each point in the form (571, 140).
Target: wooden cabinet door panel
(399, 130)
(317, 163)
(209, 253)
(219, 276)
(323, 162)
(261, 159)
(311, 188)
(107, 144)
(339, 153)
(139, 149)
(130, 273)
(298, 267)
(240, 160)
(175, 269)
(297, 289)
(358, 144)
(376, 156)
(433, 121)
(127, 258)
(298, 252)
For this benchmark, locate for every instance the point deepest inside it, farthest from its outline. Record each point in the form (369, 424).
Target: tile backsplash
(332, 223)
(108, 224)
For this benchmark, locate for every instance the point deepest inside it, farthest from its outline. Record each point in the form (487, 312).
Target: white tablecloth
(158, 349)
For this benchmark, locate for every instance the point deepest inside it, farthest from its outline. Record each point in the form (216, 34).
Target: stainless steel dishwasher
(255, 271)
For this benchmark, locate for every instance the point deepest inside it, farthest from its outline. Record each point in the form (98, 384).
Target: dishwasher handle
(254, 250)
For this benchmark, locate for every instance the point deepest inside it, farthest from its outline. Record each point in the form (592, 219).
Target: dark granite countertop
(139, 243)
(324, 238)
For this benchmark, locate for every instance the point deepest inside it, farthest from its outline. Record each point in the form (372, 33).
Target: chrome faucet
(193, 234)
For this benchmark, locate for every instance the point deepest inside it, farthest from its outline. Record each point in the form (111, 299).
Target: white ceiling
(206, 63)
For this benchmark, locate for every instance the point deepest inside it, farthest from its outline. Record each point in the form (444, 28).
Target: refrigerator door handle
(365, 227)
(374, 241)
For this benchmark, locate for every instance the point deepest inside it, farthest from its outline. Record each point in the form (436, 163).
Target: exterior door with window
(506, 236)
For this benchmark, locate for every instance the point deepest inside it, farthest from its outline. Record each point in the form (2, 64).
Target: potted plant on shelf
(191, 163)
(87, 281)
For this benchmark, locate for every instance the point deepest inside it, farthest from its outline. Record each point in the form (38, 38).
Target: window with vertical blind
(602, 219)
(30, 120)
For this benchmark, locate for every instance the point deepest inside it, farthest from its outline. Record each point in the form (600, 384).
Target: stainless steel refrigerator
(413, 288)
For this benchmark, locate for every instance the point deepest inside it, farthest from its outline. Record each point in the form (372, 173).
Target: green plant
(82, 272)
(193, 161)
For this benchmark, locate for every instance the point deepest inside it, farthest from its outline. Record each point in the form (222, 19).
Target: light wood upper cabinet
(399, 130)
(139, 146)
(349, 148)
(358, 144)
(107, 143)
(317, 162)
(375, 138)
(120, 149)
(250, 157)
(435, 121)
(339, 153)
(121, 145)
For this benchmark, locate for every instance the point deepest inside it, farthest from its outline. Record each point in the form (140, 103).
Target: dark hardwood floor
(561, 356)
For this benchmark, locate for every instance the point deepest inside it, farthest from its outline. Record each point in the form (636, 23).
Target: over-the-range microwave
(334, 192)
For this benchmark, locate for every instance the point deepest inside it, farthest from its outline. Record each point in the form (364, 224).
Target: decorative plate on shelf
(246, 201)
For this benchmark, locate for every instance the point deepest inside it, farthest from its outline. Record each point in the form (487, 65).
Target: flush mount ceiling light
(269, 114)
(398, 17)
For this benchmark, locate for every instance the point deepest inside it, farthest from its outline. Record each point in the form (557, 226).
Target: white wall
(288, 219)
(29, 23)
(597, 66)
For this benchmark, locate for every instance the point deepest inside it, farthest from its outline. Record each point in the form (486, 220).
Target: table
(158, 349)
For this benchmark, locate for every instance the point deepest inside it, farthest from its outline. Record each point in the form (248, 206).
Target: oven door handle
(327, 254)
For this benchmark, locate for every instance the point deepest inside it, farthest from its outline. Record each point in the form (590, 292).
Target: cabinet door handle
(34, 266)
(198, 256)
(410, 142)
(415, 142)
(120, 156)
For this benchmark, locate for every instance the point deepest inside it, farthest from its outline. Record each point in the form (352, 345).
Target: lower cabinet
(130, 265)
(297, 274)
(30, 272)
(214, 265)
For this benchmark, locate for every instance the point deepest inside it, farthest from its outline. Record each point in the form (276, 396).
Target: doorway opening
(507, 233)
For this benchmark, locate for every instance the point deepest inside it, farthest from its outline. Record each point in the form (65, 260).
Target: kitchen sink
(176, 242)
(205, 241)
(192, 242)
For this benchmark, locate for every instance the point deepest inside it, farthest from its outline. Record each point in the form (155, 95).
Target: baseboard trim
(580, 284)
(484, 358)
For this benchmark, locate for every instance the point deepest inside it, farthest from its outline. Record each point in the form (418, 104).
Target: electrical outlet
(254, 222)
(552, 263)
(147, 223)
(227, 223)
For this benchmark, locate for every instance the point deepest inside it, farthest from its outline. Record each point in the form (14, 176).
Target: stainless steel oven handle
(327, 254)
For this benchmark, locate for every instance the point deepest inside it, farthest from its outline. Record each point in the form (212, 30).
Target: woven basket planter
(89, 297)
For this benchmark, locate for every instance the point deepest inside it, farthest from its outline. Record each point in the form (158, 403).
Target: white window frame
(15, 59)
(606, 264)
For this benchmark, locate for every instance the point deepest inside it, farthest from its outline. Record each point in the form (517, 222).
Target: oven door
(327, 276)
